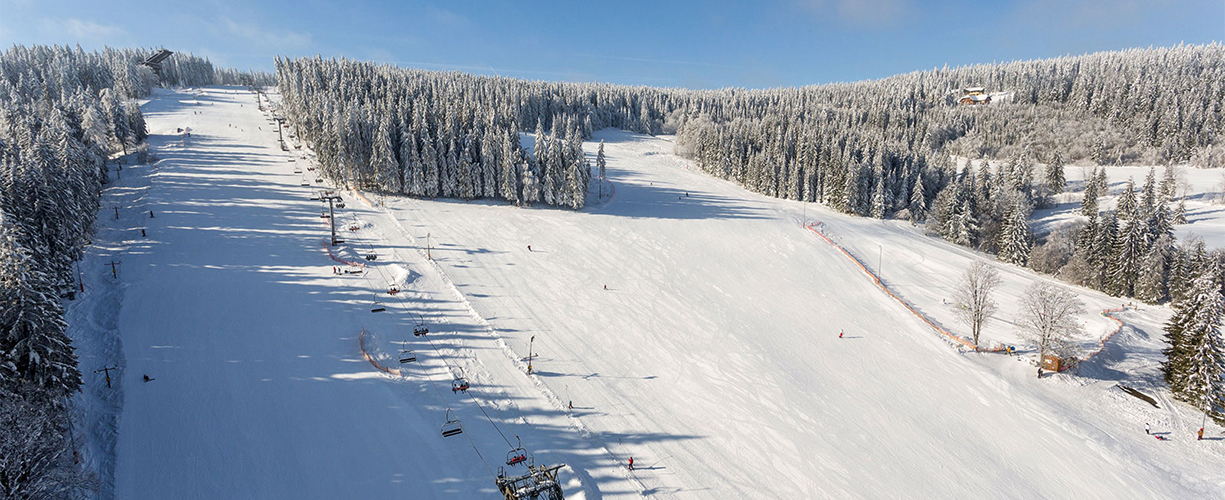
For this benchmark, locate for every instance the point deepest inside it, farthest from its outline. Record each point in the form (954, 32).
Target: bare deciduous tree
(1048, 317)
(973, 296)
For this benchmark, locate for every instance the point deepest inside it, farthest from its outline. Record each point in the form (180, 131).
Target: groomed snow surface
(712, 358)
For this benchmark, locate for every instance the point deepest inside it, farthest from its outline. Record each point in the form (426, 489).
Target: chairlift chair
(377, 307)
(460, 384)
(393, 289)
(421, 328)
(451, 427)
(319, 180)
(407, 356)
(372, 256)
(517, 455)
(305, 182)
(297, 170)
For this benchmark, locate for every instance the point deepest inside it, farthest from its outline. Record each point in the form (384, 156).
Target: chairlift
(421, 328)
(372, 256)
(354, 227)
(305, 182)
(452, 426)
(319, 180)
(377, 307)
(297, 170)
(407, 356)
(517, 455)
(291, 160)
(354, 270)
(460, 384)
(393, 289)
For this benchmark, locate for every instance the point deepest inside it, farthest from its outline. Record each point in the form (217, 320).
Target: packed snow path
(712, 358)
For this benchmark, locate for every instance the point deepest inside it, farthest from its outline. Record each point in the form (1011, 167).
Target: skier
(142, 232)
(631, 463)
(148, 378)
(839, 333)
(1039, 372)
(570, 406)
(529, 248)
(1147, 428)
(1200, 435)
(606, 288)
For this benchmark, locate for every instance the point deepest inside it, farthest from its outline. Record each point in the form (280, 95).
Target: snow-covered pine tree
(1054, 174)
(430, 166)
(1088, 204)
(1169, 183)
(601, 163)
(1151, 285)
(32, 326)
(510, 160)
(531, 188)
(1126, 205)
(411, 166)
(1129, 252)
(1015, 236)
(1180, 212)
(1149, 197)
(1195, 360)
(383, 162)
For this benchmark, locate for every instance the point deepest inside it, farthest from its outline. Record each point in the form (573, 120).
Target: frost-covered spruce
(1195, 365)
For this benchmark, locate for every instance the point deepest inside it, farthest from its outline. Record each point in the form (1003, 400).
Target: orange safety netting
(338, 259)
(876, 280)
(1106, 313)
(361, 343)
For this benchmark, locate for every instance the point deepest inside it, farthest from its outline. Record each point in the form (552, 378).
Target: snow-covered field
(712, 358)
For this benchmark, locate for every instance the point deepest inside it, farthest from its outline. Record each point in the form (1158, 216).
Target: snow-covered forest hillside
(425, 284)
(64, 115)
(680, 321)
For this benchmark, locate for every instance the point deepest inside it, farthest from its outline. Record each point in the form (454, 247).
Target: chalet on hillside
(971, 96)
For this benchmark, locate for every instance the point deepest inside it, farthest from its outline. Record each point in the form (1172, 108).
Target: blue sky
(695, 44)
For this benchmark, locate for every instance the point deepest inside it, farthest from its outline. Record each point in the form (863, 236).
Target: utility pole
(114, 271)
(107, 370)
(529, 354)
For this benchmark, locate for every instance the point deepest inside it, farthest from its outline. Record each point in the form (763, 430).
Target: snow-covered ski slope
(713, 357)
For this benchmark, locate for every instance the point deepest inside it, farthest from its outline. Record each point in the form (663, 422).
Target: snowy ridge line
(876, 280)
(361, 344)
(510, 354)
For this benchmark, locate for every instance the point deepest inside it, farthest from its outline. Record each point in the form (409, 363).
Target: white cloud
(858, 12)
(81, 31)
(265, 38)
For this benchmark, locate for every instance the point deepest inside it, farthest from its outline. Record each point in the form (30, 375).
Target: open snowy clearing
(712, 358)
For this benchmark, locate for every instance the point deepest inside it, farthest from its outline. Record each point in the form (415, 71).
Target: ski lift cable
(448, 364)
(450, 367)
